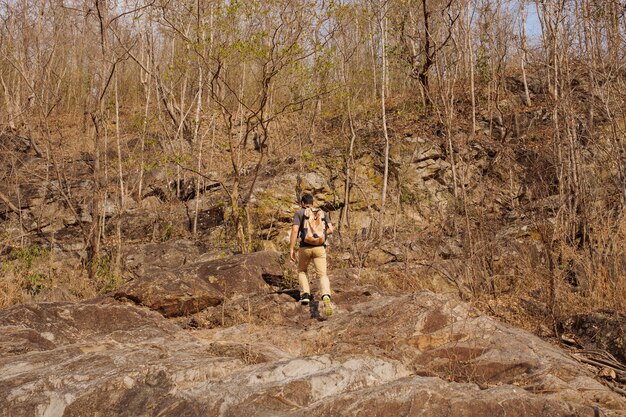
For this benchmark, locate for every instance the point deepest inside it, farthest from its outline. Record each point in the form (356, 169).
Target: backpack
(313, 227)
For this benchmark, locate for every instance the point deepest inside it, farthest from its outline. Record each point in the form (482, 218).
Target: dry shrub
(31, 274)
(608, 279)
(543, 277)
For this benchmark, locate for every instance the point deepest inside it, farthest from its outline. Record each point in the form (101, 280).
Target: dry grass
(32, 274)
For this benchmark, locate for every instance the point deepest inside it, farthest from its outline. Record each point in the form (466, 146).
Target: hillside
(153, 155)
(234, 339)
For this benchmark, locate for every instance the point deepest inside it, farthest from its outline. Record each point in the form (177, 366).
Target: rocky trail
(225, 337)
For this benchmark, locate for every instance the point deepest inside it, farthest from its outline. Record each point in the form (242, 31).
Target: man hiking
(312, 226)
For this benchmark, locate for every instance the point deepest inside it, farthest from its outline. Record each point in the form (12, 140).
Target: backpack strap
(301, 225)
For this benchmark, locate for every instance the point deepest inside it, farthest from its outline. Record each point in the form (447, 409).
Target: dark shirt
(298, 219)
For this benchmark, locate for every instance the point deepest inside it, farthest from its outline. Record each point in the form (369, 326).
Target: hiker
(312, 226)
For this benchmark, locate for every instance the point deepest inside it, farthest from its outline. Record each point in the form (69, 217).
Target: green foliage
(167, 232)
(149, 166)
(482, 65)
(309, 159)
(135, 122)
(28, 255)
(267, 203)
(182, 159)
(407, 196)
(24, 266)
(106, 277)
(34, 282)
(151, 141)
(411, 197)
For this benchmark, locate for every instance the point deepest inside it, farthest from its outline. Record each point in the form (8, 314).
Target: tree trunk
(524, 54)
(470, 52)
(428, 58)
(383, 40)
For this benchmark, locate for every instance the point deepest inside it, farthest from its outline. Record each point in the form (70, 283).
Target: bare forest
(126, 122)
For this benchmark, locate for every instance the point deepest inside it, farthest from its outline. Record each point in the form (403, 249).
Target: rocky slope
(239, 344)
(190, 328)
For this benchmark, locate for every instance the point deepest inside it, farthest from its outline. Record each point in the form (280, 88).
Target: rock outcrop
(178, 281)
(381, 354)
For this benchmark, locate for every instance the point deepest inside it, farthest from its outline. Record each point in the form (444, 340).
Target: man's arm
(292, 241)
(329, 225)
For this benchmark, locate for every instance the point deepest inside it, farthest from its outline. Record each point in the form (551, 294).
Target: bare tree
(381, 9)
(424, 33)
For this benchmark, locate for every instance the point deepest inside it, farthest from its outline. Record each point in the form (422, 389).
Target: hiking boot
(305, 299)
(328, 306)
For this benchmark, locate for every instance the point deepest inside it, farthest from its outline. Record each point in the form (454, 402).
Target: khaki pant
(318, 255)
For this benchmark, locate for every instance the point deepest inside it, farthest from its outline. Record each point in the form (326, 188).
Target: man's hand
(292, 255)
(292, 241)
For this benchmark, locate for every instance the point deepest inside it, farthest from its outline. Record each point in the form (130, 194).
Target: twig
(598, 362)
(8, 203)
(603, 358)
(5, 241)
(618, 390)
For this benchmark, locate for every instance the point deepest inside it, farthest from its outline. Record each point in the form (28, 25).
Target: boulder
(457, 358)
(275, 197)
(275, 202)
(414, 149)
(171, 293)
(241, 274)
(210, 218)
(150, 224)
(315, 183)
(441, 336)
(429, 168)
(377, 257)
(175, 279)
(171, 254)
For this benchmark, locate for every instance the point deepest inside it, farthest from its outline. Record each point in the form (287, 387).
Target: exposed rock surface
(175, 280)
(381, 354)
